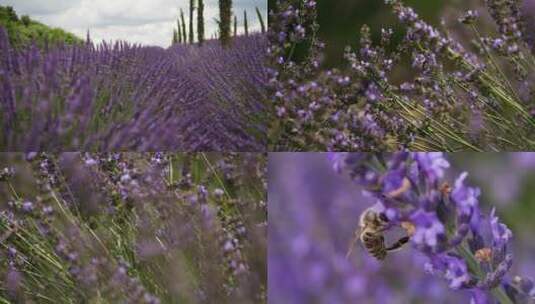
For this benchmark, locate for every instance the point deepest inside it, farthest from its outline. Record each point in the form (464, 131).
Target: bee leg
(397, 245)
(352, 244)
(383, 217)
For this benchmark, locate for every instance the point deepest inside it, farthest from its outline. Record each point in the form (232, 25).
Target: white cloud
(148, 22)
(40, 6)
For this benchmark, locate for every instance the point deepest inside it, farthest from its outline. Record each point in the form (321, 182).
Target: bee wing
(352, 244)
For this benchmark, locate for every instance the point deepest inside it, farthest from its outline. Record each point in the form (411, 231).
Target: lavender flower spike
(445, 223)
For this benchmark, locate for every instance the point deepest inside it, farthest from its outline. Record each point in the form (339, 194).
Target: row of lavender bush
(128, 97)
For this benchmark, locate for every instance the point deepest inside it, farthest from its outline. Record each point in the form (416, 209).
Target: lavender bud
(469, 17)
(27, 206)
(218, 193)
(6, 174)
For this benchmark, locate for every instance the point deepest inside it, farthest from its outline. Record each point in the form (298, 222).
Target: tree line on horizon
(23, 30)
(182, 36)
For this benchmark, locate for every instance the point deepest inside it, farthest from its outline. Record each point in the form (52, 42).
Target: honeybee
(372, 225)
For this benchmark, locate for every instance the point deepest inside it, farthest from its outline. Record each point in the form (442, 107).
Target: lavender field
(122, 96)
(133, 228)
(468, 216)
(461, 82)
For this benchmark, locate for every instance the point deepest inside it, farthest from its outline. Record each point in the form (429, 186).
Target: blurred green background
(506, 181)
(340, 20)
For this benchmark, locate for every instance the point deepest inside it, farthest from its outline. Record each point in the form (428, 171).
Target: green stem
(170, 170)
(13, 190)
(498, 292)
(500, 295)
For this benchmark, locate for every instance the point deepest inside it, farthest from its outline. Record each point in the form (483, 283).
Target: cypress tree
(225, 16)
(183, 26)
(245, 23)
(179, 35)
(191, 9)
(175, 38)
(87, 38)
(262, 25)
(235, 26)
(179, 31)
(200, 22)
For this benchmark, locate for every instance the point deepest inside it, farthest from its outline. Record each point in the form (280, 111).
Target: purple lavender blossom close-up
(133, 227)
(405, 227)
(405, 81)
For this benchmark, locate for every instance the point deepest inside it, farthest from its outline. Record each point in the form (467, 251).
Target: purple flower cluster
(454, 98)
(470, 250)
(308, 98)
(120, 96)
(312, 216)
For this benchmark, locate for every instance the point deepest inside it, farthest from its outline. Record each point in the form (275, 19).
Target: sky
(149, 22)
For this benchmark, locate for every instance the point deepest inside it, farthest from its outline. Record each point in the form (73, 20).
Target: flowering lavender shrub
(461, 94)
(132, 228)
(127, 97)
(459, 251)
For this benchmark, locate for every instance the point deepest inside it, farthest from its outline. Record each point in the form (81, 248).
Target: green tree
(175, 37)
(200, 21)
(225, 15)
(179, 33)
(261, 20)
(24, 31)
(235, 26)
(245, 25)
(183, 25)
(11, 14)
(191, 9)
(26, 20)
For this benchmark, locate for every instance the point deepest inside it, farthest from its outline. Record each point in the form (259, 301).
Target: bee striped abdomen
(375, 244)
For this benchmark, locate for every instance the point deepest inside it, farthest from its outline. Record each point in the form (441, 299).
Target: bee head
(374, 219)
